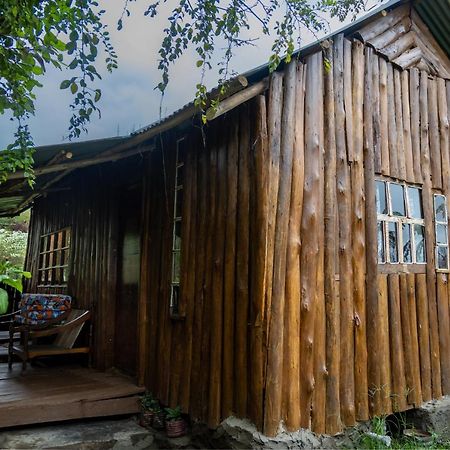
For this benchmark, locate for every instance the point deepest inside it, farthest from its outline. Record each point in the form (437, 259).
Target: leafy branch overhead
(212, 27)
(35, 34)
(70, 34)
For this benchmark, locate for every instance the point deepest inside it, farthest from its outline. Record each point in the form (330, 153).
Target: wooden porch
(63, 393)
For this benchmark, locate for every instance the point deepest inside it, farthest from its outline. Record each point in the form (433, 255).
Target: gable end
(404, 39)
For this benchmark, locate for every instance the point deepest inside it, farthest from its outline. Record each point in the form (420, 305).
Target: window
(441, 228)
(400, 226)
(176, 233)
(54, 258)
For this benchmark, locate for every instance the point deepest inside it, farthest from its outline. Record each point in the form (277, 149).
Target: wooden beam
(237, 99)
(99, 159)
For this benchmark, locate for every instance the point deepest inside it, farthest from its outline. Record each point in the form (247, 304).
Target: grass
(393, 428)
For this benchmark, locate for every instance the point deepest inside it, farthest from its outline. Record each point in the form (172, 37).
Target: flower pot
(158, 420)
(176, 428)
(147, 418)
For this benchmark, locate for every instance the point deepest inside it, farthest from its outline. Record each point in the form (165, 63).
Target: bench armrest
(61, 328)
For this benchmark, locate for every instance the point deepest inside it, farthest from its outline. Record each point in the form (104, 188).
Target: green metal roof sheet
(436, 15)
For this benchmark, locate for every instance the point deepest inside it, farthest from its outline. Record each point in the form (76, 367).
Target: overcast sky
(129, 100)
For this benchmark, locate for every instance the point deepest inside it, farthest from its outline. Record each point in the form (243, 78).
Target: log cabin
(288, 262)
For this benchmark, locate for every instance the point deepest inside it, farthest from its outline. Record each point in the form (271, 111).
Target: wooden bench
(66, 335)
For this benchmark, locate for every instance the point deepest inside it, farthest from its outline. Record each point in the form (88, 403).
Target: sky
(129, 100)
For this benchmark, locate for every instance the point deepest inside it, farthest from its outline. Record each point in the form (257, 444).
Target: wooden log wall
(372, 339)
(285, 316)
(88, 204)
(359, 339)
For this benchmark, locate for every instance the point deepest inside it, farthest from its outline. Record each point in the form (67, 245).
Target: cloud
(129, 100)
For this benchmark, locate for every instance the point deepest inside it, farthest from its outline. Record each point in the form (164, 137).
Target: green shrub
(13, 246)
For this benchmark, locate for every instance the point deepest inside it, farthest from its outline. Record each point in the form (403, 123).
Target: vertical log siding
(286, 317)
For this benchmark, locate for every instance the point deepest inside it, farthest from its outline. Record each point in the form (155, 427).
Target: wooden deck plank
(30, 414)
(54, 394)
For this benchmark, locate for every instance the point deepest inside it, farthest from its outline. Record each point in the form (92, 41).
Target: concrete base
(433, 416)
(241, 434)
(121, 434)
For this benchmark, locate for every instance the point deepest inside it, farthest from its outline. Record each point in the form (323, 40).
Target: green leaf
(98, 94)
(4, 302)
(73, 88)
(16, 284)
(65, 84)
(199, 63)
(73, 36)
(73, 64)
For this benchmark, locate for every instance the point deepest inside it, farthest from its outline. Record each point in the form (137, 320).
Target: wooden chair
(5, 322)
(66, 336)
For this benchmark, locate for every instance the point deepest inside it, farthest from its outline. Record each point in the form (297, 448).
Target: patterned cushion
(37, 309)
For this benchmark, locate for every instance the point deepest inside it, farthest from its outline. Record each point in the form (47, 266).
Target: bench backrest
(40, 309)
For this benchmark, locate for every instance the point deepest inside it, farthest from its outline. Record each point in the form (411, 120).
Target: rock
(433, 416)
(386, 440)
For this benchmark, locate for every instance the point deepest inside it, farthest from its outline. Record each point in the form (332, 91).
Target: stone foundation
(433, 416)
(241, 434)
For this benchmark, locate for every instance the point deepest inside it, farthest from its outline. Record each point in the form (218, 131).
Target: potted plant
(10, 276)
(175, 424)
(149, 405)
(158, 418)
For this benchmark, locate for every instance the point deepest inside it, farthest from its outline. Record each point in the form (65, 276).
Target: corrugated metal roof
(262, 71)
(436, 15)
(14, 192)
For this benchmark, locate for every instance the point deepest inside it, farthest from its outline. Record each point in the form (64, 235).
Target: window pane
(393, 240)
(179, 203)
(441, 234)
(419, 240)
(176, 264)
(439, 208)
(180, 175)
(44, 244)
(66, 274)
(177, 235)
(442, 257)
(415, 203)
(381, 197)
(407, 246)
(397, 199)
(380, 239)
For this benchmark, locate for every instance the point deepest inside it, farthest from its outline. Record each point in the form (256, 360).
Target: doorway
(128, 265)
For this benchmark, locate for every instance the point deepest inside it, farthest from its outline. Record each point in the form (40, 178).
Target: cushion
(38, 309)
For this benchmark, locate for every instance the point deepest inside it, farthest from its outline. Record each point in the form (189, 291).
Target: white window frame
(385, 219)
(47, 267)
(436, 223)
(178, 187)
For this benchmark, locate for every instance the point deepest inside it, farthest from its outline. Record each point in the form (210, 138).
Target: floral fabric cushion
(37, 309)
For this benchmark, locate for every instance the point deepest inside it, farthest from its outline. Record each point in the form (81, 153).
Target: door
(128, 280)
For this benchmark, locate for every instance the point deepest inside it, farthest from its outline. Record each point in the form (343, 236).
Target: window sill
(402, 268)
